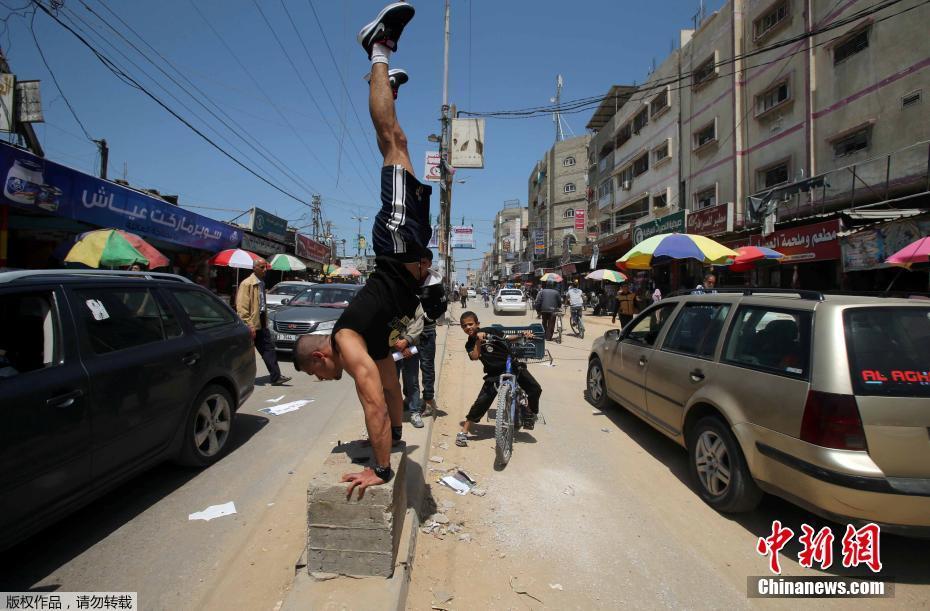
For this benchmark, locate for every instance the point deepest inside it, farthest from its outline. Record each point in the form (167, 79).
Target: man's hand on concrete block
(362, 479)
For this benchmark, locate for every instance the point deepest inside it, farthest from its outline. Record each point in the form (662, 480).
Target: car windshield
(889, 350)
(324, 295)
(512, 293)
(288, 289)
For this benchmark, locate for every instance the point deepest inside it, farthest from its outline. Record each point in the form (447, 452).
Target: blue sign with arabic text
(33, 183)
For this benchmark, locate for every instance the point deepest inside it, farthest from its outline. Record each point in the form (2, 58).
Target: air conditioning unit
(627, 185)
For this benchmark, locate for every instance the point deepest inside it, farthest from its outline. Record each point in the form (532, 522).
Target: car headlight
(325, 328)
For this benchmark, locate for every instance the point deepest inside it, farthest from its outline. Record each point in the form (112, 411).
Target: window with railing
(662, 152)
(660, 200)
(625, 177)
(772, 97)
(705, 71)
(852, 143)
(624, 134)
(705, 198)
(659, 104)
(854, 43)
(641, 120)
(774, 175)
(632, 211)
(706, 134)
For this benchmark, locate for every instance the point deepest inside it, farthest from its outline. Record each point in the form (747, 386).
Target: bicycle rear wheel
(581, 327)
(557, 334)
(504, 427)
(573, 321)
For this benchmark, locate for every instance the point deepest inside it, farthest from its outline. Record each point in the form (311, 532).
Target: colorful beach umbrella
(750, 255)
(105, 248)
(345, 271)
(915, 252)
(667, 246)
(550, 277)
(287, 263)
(235, 257)
(607, 274)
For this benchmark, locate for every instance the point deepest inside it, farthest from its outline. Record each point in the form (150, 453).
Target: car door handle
(191, 358)
(65, 400)
(697, 375)
(642, 361)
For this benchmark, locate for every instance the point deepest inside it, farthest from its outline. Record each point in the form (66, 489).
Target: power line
(585, 104)
(236, 128)
(134, 83)
(32, 23)
(306, 87)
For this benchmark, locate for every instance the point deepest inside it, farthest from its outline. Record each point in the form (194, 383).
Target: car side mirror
(285, 301)
(613, 334)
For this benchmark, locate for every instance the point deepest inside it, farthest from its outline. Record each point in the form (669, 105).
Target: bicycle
(557, 328)
(577, 322)
(512, 401)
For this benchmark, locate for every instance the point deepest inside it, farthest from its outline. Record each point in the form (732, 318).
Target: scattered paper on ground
(214, 511)
(458, 486)
(293, 406)
(275, 400)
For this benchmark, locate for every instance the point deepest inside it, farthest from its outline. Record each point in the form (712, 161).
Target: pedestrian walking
(548, 301)
(250, 306)
(626, 306)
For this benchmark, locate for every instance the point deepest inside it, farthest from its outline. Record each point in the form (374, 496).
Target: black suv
(104, 374)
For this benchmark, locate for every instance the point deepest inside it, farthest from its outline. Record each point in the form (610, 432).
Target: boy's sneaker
(396, 76)
(461, 440)
(529, 422)
(387, 27)
(416, 420)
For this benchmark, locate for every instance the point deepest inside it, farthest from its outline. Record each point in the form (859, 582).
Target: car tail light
(832, 421)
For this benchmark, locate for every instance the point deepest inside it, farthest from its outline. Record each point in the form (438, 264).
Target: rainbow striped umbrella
(668, 246)
(106, 248)
(749, 255)
(608, 275)
(550, 277)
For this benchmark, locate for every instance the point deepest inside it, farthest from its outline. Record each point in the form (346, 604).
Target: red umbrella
(235, 257)
(750, 255)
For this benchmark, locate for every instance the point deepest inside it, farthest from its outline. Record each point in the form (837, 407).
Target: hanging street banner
(7, 85)
(463, 236)
(670, 223)
(431, 171)
(580, 224)
(32, 183)
(308, 248)
(467, 147)
(269, 225)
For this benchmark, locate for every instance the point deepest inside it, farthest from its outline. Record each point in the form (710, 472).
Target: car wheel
(207, 428)
(719, 468)
(597, 385)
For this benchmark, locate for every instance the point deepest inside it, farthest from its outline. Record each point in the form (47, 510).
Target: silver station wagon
(823, 400)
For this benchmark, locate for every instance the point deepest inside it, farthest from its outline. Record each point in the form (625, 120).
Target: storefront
(864, 252)
(671, 275)
(45, 205)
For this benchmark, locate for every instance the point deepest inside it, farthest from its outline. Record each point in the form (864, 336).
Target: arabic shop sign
(670, 223)
(711, 220)
(269, 225)
(310, 249)
(807, 243)
(33, 183)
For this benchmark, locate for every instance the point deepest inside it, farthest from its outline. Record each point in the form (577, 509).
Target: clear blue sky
(504, 55)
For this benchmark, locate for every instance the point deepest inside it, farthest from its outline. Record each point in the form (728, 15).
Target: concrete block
(354, 537)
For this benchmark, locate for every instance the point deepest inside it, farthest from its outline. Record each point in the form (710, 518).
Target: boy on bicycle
(494, 360)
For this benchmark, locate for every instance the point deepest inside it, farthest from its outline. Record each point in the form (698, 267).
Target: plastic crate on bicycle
(494, 360)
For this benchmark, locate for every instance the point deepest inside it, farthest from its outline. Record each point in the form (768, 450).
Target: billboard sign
(463, 236)
(711, 220)
(7, 85)
(267, 224)
(308, 248)
(816, 242)
(580, 224)
(431, 171)
(539, 242)
(467, 148)
(33, 183)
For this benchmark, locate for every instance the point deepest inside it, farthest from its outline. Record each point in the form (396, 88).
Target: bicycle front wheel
(573, 321)
(557, 335)
(504, 427)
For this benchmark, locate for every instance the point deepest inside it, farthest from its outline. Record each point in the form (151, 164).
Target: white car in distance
(285, 291)
(509, 300)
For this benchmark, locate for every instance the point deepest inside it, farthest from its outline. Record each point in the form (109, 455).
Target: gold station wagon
(823, 400)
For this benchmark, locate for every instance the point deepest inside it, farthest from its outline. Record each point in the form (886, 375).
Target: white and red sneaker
(387, 27)
(397, 77)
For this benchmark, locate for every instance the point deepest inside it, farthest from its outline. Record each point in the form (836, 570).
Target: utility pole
(358, 235)
(104, 156)
(315, 205)
(445, 180)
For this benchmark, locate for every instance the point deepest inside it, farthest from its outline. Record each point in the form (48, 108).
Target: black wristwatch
(385, 473)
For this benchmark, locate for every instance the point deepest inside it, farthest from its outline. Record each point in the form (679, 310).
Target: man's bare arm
(475, 353)
(364, 371)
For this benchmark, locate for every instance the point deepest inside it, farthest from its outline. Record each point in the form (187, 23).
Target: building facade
(507, 252)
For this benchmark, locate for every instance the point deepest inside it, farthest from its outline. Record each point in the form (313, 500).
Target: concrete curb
(378, 592)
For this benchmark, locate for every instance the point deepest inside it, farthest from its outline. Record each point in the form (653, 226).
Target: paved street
(138, 537)
(596, 510)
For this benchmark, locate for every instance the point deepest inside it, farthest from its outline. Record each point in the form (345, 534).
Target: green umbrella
(287, 263)
(104, 248)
